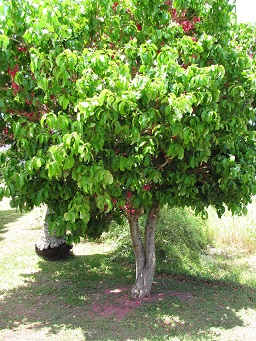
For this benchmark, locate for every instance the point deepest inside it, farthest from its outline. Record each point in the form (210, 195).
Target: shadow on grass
(91, 293)
(7, 217)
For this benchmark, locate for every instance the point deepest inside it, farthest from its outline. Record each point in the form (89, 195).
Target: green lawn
(86, 297)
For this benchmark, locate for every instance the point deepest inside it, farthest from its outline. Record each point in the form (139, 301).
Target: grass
(234, 232)
(86, 297)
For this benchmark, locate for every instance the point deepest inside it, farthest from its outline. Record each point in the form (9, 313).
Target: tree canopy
(113, 108)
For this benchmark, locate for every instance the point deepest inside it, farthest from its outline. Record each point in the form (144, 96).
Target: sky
(246, 10)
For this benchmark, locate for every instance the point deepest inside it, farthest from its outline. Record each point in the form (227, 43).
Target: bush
(180, 238)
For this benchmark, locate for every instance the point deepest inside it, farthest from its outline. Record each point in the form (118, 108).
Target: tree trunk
(144, 252)
(50, 246)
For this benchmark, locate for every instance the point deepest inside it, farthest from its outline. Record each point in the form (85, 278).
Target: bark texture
(144, 252)
(50, 246)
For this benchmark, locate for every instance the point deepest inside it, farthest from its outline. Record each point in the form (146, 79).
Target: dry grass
(234, 232)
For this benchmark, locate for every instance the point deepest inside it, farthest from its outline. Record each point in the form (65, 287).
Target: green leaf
(68, 162)
(103, 202)
(85, 216)
(147, 160)
(65, 103)
(181, 153)
(108, 178)
(176, 129)
(122, 163)
(4, 42)
(20, 180)
(37, 163)
(186, 135)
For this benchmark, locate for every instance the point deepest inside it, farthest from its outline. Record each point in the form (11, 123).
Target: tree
(117, 108)
(51, 246)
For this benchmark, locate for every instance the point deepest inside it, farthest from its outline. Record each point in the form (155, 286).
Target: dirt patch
(117, 303)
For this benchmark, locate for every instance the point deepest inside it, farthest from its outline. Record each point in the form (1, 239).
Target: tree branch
(168, 160)
(18, 41)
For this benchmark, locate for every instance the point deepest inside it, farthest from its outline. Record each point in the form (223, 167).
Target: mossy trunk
(144, 252)
(50, 246)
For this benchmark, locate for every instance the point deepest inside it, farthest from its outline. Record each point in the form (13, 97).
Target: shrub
(180, 238)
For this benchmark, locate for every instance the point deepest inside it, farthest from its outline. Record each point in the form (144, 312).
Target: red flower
(129, 195)
(147, 187)
(6, 131)
(21, 48)
(129, 208)
(174, 13)
(187, 26)
(115, 4)
(13, 71)
(15, 87)
(197, 19)
(139, 27)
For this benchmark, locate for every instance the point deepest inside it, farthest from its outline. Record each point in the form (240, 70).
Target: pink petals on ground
(117, 304)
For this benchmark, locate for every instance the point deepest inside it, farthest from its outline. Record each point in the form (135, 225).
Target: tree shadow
(92, 293)
(7, 217)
